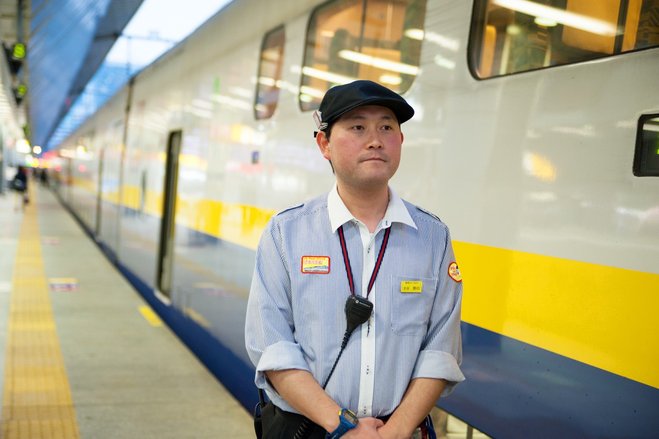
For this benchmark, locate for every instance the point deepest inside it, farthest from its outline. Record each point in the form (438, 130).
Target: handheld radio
(358, 311)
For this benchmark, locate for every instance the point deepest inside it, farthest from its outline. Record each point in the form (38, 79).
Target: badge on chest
(315, 264)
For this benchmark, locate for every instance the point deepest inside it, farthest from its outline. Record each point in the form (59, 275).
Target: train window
(269, 75)
(346, 40)
(646, 157)
(510, 36)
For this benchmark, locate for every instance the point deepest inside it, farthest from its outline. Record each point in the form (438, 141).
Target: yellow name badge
(411, 286)
(315, 264)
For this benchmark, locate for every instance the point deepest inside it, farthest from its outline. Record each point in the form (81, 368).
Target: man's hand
(366, 429)
(417, 402)
(390, 433)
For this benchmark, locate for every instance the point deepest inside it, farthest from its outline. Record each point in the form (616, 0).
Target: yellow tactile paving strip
(37, 401)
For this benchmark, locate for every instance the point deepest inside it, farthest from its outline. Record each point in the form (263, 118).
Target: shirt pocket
(410, 311)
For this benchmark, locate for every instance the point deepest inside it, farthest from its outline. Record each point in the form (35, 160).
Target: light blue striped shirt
(295, 311)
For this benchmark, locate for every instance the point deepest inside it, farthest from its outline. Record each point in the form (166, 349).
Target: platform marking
(50, 240)
(150, 315)
(60, 284)
(37, 402)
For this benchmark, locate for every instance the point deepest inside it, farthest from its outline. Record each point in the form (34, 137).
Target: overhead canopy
(69, 40)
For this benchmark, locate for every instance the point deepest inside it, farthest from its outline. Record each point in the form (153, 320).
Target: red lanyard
(378, 262)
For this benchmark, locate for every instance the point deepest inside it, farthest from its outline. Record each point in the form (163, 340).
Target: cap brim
(402, 110)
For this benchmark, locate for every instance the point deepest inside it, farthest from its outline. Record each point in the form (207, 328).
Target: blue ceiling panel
(68, 42)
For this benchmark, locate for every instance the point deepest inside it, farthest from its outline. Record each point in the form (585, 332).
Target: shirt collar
(339, 214)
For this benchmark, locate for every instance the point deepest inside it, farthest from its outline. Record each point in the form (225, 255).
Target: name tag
(315, 264)
(411, 286)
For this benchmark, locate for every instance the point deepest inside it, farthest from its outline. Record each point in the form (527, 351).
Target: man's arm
(420, 397)
(304, 394)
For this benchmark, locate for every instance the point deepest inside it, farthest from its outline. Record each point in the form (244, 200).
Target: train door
(99, 193)
(168, 222)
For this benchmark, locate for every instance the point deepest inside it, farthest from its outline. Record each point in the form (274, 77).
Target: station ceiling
(66, 41)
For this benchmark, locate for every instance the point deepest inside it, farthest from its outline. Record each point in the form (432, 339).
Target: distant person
(356, 258)
(43, 177)
(19, 185)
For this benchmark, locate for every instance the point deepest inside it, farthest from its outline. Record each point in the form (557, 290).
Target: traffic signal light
(15, 56)
(19, 92)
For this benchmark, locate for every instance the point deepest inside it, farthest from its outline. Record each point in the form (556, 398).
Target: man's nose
(374, 140)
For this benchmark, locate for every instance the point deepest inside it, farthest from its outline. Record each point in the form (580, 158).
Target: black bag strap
(258, 412)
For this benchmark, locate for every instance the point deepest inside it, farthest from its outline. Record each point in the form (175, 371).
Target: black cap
(342, 98)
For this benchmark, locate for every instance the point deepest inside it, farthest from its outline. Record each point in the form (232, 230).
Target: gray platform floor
(128, 378)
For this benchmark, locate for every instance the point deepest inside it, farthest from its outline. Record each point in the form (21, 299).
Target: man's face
(365, 147)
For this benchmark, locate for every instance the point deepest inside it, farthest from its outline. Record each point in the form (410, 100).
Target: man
(360, 241)
(20, 185)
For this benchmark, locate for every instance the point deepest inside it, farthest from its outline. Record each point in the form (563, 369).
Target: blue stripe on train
(520, 391)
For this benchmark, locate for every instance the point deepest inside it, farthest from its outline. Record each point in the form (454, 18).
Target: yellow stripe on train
(599, 315)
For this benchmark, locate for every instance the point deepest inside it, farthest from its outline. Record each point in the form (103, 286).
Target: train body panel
(557, 239)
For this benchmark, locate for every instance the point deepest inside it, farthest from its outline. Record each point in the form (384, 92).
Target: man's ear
(323, 144)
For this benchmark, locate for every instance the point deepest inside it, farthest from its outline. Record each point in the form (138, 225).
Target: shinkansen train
(535, 139)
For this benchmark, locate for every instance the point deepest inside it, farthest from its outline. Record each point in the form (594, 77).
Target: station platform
(81, 354)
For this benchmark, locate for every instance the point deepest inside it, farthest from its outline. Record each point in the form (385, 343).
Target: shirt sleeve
(441, 353)
(269, 338)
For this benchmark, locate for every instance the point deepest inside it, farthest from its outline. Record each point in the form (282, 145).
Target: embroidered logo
(454, 272)
(411, 286)
(315, 264)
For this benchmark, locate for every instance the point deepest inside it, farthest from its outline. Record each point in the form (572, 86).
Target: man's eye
(358, 127)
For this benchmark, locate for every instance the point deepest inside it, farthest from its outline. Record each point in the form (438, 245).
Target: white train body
(557, 239)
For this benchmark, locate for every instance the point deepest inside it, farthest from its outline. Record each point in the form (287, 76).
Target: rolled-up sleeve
(279, 356)
(441, 353)
(269, 321)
